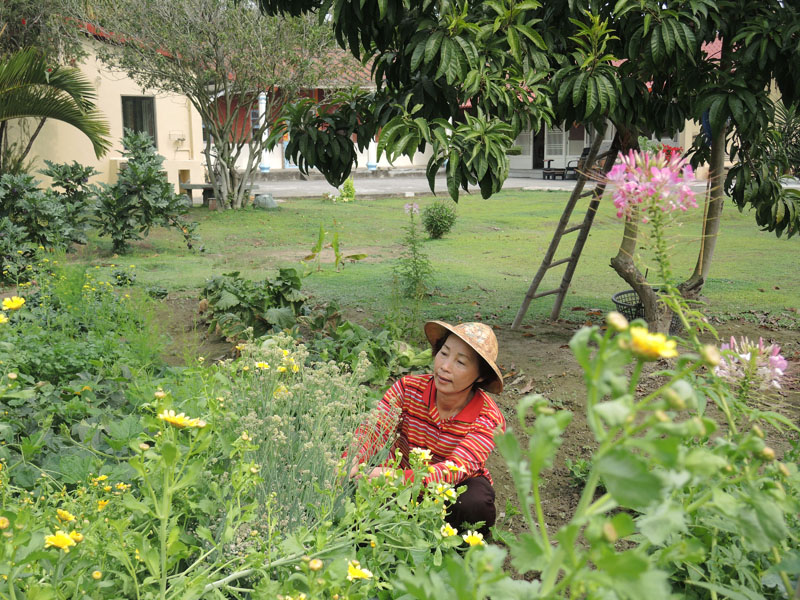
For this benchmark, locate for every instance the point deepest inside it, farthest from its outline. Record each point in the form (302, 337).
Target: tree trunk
(691, 287)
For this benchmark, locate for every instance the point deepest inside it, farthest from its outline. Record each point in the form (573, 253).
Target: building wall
(178, 130)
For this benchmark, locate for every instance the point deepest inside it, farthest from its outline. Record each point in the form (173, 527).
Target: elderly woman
(449, 414)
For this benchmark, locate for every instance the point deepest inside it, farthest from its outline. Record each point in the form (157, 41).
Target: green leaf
(628, 479)
(527, 553)
(226, 300)
(282, 318)
(614, 412)
(660, 524)
(169, 453)
(432, 45)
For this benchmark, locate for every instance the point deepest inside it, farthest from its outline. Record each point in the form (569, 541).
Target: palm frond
(29, 89)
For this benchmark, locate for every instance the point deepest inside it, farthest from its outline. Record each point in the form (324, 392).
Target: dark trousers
(475, 504)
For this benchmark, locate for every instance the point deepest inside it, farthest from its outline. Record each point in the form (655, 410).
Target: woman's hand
(376, 472)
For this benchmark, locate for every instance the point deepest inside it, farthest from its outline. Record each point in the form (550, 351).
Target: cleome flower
(744, 359)
(651, 346)
(60, 539)
(180, 420)
(473, 538)
(13, 303)
(355, 571)
(654, 181)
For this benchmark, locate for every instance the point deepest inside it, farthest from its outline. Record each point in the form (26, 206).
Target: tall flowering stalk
(649, 187)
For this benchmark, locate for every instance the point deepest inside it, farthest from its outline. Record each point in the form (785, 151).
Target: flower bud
(768, 453)
(710, 355)
(758, 432)
(676, 402)
(783, 469)
(315, 564)
(546, 410)
(4, 522)
(144, 446)
(160, 394)
(609, 532)
(617, 321)
(662, 416)
(97, 574)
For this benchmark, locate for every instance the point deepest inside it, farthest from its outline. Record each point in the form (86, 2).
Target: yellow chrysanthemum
(448, 531)
(4, 523)
(101, 504)
(64, 515)
(181, 420)
(262, 365)
(97, 574)
(354, 571)
(651, 346)
(13, 303)
(473, 538)
(3, 318)
(59, 539)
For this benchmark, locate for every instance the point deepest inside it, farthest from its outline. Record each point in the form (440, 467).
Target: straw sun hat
(477, 336)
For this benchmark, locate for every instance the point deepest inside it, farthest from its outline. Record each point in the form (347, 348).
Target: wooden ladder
(564, 228)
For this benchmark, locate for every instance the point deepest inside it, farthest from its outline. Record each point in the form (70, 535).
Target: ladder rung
(587, 193)
(559, 262)
(547, 293)
(573, 228)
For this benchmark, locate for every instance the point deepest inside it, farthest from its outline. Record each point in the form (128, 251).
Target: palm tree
(29, 88)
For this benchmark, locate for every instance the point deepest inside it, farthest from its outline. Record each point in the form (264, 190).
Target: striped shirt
(459, 445)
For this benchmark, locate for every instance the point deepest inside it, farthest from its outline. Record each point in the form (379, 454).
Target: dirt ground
(535, 359)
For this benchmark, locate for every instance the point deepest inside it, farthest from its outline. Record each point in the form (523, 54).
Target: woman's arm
(373, 434)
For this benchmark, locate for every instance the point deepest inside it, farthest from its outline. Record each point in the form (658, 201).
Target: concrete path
(414, 183)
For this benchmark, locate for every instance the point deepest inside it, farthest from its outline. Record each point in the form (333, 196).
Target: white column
(263, 166)
(372, 155)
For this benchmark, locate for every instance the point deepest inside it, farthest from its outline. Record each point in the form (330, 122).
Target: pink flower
(744, 359)
(411, 208)
(654, 181)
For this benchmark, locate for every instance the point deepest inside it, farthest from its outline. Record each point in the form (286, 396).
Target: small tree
(222, 56)
(141, 198)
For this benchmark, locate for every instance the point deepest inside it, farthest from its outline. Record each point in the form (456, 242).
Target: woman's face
(456, 366)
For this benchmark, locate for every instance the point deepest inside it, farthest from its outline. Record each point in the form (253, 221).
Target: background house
(170, 120)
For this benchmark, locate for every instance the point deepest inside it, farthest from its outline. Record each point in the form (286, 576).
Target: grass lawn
(483, 267)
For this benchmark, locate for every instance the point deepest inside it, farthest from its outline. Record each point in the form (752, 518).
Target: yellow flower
(3, 318)
(451, 466)
(354, 571)
(422, 453)
(4, 523)
(281, 369)
(262, 365)
(76, 536)
(295, 368)
(97, 574)
(123, 487)
(447, 530)
(101, 504)
(106, 488)
(64, 515)
(13, 303)
(181, 420)
(59, 539)
(473, 538)
(651, 346)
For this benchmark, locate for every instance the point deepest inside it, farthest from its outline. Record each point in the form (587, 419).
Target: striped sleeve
(382, 423)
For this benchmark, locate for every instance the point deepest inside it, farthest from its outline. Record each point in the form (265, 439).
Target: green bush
(141, 198)
(438, 219)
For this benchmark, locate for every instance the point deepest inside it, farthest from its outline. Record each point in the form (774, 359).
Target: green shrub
(235, 304)
(438, 219)
(141, 198)
(413, 270)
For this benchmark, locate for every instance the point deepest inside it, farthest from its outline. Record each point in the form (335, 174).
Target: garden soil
(534, 359)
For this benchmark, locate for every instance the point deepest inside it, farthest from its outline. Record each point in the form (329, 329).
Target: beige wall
(178, 130)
